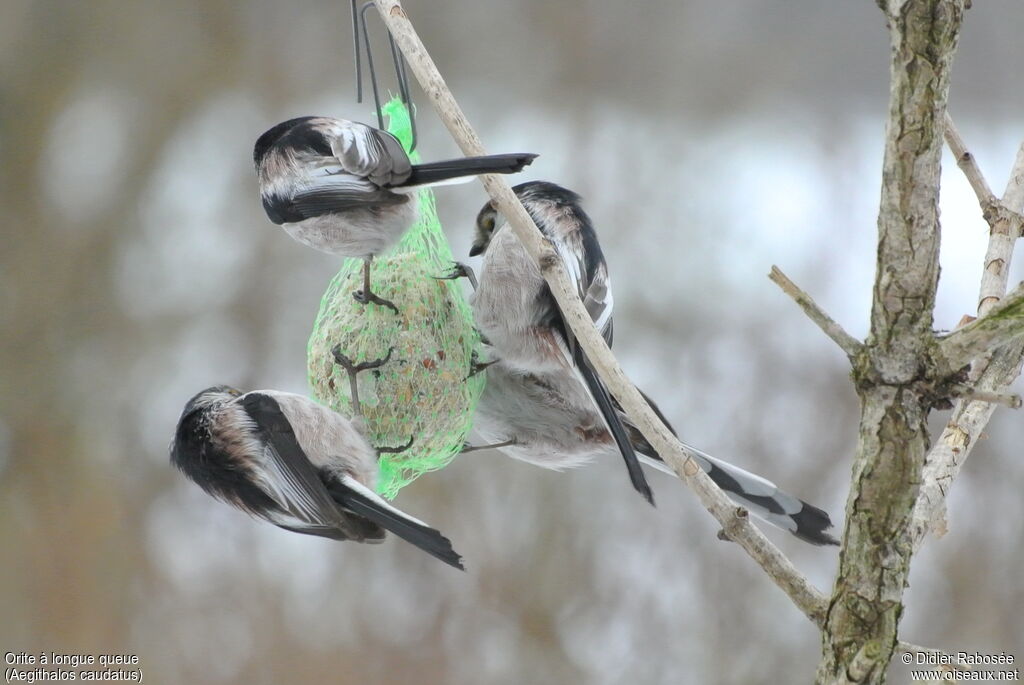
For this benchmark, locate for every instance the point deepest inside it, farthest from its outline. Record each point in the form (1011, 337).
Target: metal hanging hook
(359, 22)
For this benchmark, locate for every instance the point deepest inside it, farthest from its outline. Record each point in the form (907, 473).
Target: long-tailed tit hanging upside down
(295, 463)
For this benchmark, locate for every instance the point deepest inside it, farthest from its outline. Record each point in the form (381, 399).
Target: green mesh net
(423, 391)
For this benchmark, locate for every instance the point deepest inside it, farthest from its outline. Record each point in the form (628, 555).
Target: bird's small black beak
(475, 250)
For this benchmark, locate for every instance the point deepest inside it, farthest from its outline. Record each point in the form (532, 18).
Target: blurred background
(710, 141)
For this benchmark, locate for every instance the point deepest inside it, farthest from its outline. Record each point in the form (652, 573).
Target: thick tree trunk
(894, 373)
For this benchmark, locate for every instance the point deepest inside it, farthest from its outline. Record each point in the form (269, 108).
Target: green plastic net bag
(423, 392)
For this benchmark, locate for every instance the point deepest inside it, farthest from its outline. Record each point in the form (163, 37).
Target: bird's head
(272, 136)
(535, 196)
(210, 398)
(486, 221)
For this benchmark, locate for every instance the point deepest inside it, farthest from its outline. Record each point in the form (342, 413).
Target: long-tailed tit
(349, 189)
(548, 420)
(295, 463)
(517, 314)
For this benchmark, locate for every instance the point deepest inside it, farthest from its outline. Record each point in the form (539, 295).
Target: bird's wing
(364, 162)
(584, 262)
(581, 254)
(287, 475)
(369, 152)
(331, 190)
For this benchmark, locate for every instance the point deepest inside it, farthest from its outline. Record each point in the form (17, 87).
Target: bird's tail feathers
(613, 419)
(762, 497)
(360, 500)
(408, 190)
(442, 173)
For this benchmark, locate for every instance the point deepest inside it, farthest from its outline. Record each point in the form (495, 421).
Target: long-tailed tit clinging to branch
(518, 316)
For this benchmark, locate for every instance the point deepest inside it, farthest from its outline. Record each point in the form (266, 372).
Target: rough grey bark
(895, 375)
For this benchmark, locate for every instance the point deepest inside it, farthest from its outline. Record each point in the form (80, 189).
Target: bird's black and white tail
(762, 497)
(613, 419)
(359, 499)
(466, 167)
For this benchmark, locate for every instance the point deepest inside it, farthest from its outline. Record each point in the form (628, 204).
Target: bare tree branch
(1007, 399)
(1002, 237)
(1003, 217)
(991, 372)
(965, 160)
(954, 445)
(738, 528)
(892, 375)
(736, 525)
(847, 343)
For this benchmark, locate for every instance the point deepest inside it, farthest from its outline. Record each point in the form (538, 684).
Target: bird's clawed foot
(354, 368)
(476, 366)
(361, 297)
(466, 447)
(460, 270)
(395, 450)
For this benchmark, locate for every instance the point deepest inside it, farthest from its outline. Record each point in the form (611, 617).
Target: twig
(1002, 237)
(965, 160)
(994, 210)
(1003, 217)
(739, 529)
(850, 345)
(1011, 400)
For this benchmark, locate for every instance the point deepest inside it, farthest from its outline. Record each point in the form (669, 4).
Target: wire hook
(359, 20)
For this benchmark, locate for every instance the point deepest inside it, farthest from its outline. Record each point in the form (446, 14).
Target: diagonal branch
(738, 527)
(965, 160)
(999, 214)
(847, 343)
(1004, 217)
(1007, 399)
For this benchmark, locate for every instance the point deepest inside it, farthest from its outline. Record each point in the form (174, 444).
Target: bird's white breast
(356, 232)
(551, 417)
(507, 307)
